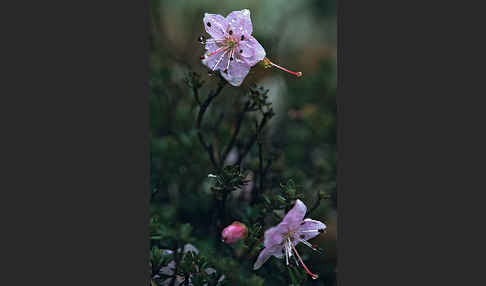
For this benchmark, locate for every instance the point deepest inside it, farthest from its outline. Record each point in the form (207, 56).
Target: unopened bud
(234, 232)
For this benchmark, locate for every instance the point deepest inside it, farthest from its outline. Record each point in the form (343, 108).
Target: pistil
(269, 63)
(314, 276)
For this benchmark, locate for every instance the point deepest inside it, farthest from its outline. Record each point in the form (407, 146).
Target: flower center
(230, 43)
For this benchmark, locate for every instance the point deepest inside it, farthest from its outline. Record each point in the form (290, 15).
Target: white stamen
(220, 58)
(212, 41)
(286, 255)
(309, 231)
(229, 59)
(296, 261)
(306, 243)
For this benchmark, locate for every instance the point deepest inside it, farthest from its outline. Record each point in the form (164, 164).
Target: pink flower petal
(253, 52)
(237, 71)
(265, 255)
(295, 216)
(215, 25)
(310, 229)
(273, 235)
(240, 23)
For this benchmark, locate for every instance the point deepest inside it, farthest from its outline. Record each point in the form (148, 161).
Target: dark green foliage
(282, 144)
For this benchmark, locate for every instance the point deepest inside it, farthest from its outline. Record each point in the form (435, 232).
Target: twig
(195, 90)
(256, 195)
(235, 134)
(203, 107)
(249, 145)
(316, 205)
(267, 167)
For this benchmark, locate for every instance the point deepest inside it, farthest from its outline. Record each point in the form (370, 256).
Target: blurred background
(300, 139)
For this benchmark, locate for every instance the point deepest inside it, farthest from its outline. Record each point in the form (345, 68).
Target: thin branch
(316, 205)
(203, 107)
(235, 134)
(256, 197)
(195, 90)
(249, 145)
(267, 167)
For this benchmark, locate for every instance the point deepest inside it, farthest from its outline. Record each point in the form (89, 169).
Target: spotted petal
(252, 51)
(215, 25)
(310, 228)
(237, 71)
(240, 23)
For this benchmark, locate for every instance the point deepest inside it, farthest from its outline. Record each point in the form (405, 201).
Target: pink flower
(282, 239)
(234, 232)
(232, 49)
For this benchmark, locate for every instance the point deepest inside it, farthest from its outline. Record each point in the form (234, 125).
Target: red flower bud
(233, 232)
